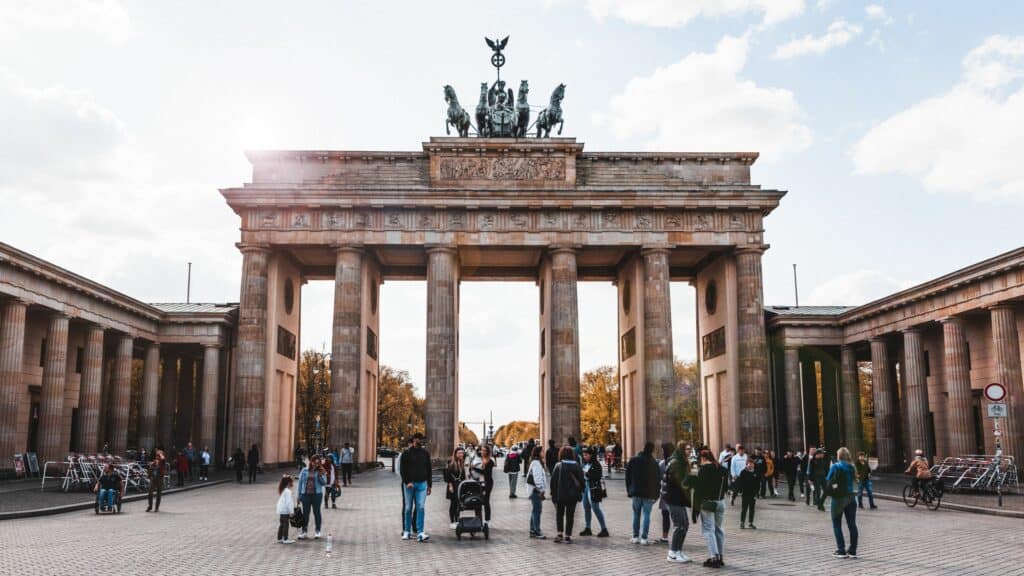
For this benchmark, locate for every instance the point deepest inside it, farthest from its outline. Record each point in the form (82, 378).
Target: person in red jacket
(181, 465)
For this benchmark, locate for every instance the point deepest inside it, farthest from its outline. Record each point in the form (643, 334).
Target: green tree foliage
(599, 404)
(313, 397)
(516, 431)
(399, 411)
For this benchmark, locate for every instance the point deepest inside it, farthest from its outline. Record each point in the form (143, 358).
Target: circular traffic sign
(995, 392)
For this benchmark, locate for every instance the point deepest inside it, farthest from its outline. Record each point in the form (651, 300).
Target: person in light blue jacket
(312, 480)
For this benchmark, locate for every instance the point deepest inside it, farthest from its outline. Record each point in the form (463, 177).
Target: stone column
(661, 394)
(186, 401)
(149, 396)
(168, 399)
(794, 408)
(12, 351)
(52, 443)
(208, 405)
(565, 346)
(121, 398)
(1006, 353)
(250, 393)
(91, 391)
(959, 404)
(755, 404)
(442, 386)
(917, 390)
(347, 346)
(886, 417)
(850, 399)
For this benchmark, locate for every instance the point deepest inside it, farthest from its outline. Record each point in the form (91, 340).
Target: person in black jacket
(593, 492)
(551, 455)
(790, 463)
(819, 469)
(566, 491)
(513, 463)
(643, 486)
(253, 460)
(454, 474)
(760, 468)
(677, 499)
(238, 461)
(415, 470)
(749, 483)
(709, 488)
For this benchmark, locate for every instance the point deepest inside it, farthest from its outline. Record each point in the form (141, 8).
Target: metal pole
(796, 291)
(188, 285)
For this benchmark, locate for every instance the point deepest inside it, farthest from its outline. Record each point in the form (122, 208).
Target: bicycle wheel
(910, 496)
(935, 498)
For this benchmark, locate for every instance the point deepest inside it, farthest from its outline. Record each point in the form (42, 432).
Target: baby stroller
(471, 498)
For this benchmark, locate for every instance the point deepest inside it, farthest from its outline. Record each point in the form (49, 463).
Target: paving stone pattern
(230, 529)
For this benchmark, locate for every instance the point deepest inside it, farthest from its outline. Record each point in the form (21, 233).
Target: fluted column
(12, 352)
(661, 394)
(755, 405)
(794, 408)
(186, 400)
(442, 386)
(917, 390)
(850, 399)
(251, 390)
(90, 391)
(1006, 347)
(168, 399)
(957, 377)
(149, 396)
(346, 346)
(886, 418)
(208, 406)
(121, 397)
(565, 346)
(52, 443)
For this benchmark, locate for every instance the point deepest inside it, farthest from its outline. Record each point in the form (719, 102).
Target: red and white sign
(995, 392)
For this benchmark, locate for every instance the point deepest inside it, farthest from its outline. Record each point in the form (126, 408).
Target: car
(385, 452)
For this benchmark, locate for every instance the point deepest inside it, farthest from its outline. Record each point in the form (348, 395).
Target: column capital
(16, 301)
(878, 340)
(561, 249)
(758, 249)
(153, 344)
(1003, 306)
(794, 347)
(911, 330)
(348, 249)
(448, 248)
(848, 346)
(957, 320)
(208, 346)
(645, 250)
(57, 315)
(253, 247)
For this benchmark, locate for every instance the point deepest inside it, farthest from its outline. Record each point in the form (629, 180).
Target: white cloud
(875, 12)
(839, 33)
(673, 13)
(854, 289)
(703, 102)
(964, 141)
(106, 19)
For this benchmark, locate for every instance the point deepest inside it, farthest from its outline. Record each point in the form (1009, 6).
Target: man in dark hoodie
(417, 477)
(677, 498)
(749, 484)
(551, 456)
(643, 486)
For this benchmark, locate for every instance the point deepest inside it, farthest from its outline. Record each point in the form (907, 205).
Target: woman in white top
(285, 505)
(537, 479)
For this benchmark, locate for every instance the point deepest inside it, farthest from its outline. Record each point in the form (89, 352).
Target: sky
(894, 127)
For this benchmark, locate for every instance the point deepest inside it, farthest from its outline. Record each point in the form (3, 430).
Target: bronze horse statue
(522, 110)
(457, 115)
(552, 115)
(483, 113)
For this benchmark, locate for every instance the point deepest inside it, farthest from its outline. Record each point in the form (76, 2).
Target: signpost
(996, 393)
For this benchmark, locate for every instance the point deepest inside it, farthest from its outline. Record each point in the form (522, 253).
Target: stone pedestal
(121, 397)
(208, 403)
(250, 393)
(794, 407)
(886, 417)
(565, 347)
(755, 403)
(168, 399)
(442, 387)
(661, 393)
(1006, 354)
(149, 395)
(850, 400)
(346, 345)
(959, 402)
(12, 350)
(53, 445)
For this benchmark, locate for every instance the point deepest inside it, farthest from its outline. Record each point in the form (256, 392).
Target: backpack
(836, 487)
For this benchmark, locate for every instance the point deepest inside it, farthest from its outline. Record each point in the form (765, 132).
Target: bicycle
(930, 493)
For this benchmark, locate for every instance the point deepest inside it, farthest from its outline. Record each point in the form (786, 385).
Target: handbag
(599, 492)
(297, 519)
(529, 479)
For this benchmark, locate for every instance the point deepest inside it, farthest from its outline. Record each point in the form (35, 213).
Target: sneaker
(405, 536)
(644, 542)
(602, 534)
(710, 563)
(558, 539)
(567, 540)
(317, 536)
(850, 554)
(586, 532)
(682, 558)
(742, 526)
(752, 527)
(540, 536)
(454, 525)
(302, 536)
(873, 507)
(423, 537)
(335, 506)
(634, 540)
(663, 540)
(286, 541)
(839, 554)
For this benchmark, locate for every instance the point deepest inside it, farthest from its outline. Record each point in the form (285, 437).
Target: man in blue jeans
(864, 481)
(108, 486)
(416, 477)
(643, 485)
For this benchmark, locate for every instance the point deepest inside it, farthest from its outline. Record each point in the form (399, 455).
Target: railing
(978, 472)
(81, 472)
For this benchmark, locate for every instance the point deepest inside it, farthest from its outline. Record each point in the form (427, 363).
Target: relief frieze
(502, 169)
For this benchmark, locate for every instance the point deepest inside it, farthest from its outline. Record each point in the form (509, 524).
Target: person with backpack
(642, 485)
(677, 499)
(839, 486)
(709, 488)
(566, 491)
(749, 484)
(537, 480)
(285, 505)
(512, 465)
(593, 492)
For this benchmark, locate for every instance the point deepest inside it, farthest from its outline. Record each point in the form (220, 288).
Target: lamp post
(611, 439)
(317, 418)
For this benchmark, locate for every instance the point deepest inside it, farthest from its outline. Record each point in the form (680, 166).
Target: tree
(688, 412)
(516, 431)
(313, 398)
(400, 413)
(599, 404)
(467, 436)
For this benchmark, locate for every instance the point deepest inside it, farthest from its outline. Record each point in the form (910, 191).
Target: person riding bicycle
(921, 471)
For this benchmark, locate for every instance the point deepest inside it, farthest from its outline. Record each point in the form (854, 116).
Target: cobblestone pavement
(230, 529)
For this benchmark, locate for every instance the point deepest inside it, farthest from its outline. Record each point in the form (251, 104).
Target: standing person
(709, 488)
(454, 474)
(808, 463)
(238, 460)
(749, 484)
(551, 456)
(537, 480)
(347, 457)
(512, 465)
(819, 470)
(156, 471)
(285, 505)
(312, 480)
(577, 450)
(666, 518)
(204, 464)
(253, 460)
(642, 485)
(190, 455)
(527, 455)
(725, 456)
(737, 464)
(332, 490)
(840, 483)
(769, 474)
(593, 492)
(416, 477)
(484, 465)
(790, 463)
(566, 491)
(801, 472)
(677, 498)
(181, 466)
(616, 457)
(760, 471)
(864, 481)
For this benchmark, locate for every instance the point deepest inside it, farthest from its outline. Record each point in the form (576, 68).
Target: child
(748, 485)
(285, 505)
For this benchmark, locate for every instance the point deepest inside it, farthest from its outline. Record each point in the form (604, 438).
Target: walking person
(332, 490)
(737, 464)
(709, 488)
(760, 471)
(513, 463)
(819, 470)
(537, 480)
(193, 461)
(285, 505)
(566, 491)
(181, 466)
(666, 518)
(483, 467)
(253, 460)
(788, 467)
(415, 471)
(551, 455)
(347, 457)
(840, 487)
(864, 481)
(677, 498)
(204, 464)
(593, 492)
(750, 484)
(801, 473)
(312, 480)
(156, 471)
(454, 474)
(238, 461)
(643, 486)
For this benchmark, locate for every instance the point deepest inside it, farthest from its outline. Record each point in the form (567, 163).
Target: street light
(611, 438)
(317, 418)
